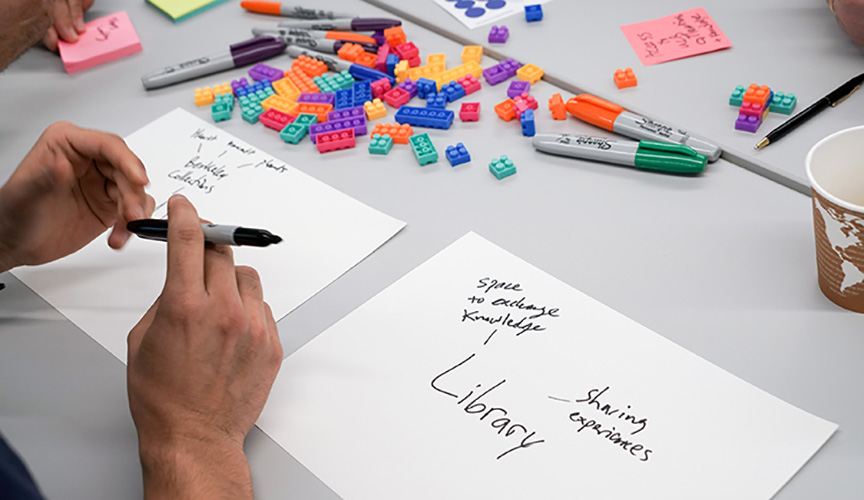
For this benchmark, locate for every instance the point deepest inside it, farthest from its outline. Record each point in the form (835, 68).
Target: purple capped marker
(356, 24)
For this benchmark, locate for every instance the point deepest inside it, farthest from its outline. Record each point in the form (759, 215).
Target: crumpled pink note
(107, 38)
(685, 34)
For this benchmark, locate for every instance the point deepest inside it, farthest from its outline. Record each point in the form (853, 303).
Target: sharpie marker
(356, 24)
(280, 9)
(648, 155)
(239, 54)
(157, 229)
(339, 65)
(605, 114)
(316, 40)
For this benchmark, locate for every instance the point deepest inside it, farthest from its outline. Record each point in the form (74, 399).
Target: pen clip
(838, 101)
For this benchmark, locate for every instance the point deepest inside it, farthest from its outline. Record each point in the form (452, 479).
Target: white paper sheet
(325, 232)
(479, 376)
(474, 14)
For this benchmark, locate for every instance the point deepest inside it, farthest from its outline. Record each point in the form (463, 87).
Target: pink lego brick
(470, 83)
(407, 51)
(470, 112)
(523, 102)
(396, 97)
(275, 119)
(381, 59)
(336, 140)
(380, 87)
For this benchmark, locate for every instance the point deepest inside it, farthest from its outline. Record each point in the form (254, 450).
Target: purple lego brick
(517, 87)
(357, 123)
(510, 66)
(263, 72)
(379, 37)
(498, 34)
(409, 86)
(341, 114)
(748, 123)
(494, 75)
(239, 84)
(317, 97)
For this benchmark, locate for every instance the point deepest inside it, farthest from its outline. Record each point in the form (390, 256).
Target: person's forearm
(195, 471)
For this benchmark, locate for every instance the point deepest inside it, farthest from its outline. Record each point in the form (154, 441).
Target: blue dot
(475, 12)
(495, 4)
(464, 4)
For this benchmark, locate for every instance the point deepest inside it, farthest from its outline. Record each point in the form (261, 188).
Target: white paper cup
(835, 168)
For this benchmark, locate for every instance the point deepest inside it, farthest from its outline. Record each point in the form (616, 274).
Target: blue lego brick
(423, 148)
(380, 144)
(425, 87)
(392, 61)
(457, 154)
(438, 101)
(527, 120)
(783, 103)
(253, 88)
(502, 167)
(453, 91)
(344, 99)
(294, 132)
(425, 117)
(362, 92)
(533, 13)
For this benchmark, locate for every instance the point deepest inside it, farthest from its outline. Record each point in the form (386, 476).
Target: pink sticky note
(107, 38)
(685, 34)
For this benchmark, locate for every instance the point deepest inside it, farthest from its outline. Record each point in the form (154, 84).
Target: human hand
(73, 185)
(200, 366)
(850, 17)
(68, 22)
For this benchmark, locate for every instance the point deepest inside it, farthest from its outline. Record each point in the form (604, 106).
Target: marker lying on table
(157, 229)
(356, 24)
(318, 40)
(239, 54)
(648, 155)
(334, 64)
(280, 9)
(605, 114)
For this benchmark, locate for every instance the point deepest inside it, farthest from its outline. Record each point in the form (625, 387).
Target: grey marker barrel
(639, 127)
(300, 39)
(304, 13)
(189, 70)
(588, 148)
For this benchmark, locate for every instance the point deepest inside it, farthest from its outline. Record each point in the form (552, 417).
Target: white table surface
(722, 264)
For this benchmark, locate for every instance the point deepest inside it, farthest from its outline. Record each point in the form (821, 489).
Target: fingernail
(71, 35)
(174, 199)
(79, 25)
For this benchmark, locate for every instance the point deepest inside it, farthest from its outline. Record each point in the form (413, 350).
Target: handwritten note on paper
(107, 38)
(685, 34)
(479, 376)
(324, 232)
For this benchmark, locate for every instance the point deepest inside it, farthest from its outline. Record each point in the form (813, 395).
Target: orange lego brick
(301, 81)
(399, 133)
(530, 73)
(310, 66)
(506, 110)
(472, 53)
(204, 97)
(222, 88)
(366, 59)
(286, 89)
(556, 106)
(757, 94)
(395, 36)
(311, 108)
(625, 78)
(281, 103)
(350, 52)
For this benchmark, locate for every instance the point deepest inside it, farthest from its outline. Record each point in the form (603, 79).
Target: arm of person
(850, 17)
(201, 364)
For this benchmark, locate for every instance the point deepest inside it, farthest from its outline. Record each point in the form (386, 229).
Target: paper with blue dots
(476, 13)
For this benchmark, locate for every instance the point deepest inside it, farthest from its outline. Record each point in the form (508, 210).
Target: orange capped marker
(280, 9)
(610, 116)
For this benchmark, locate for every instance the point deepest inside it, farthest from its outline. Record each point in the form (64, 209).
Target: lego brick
(406, 51)
(238, 84)
(331, 82)
(430, 72)
(399, 133)
(783, 103)
(353, 112)
(400, 71)
(302, 81)
(204, 97)
(396, 97)
(381, 58)
(470, 83)
(227, 99)
(392, 62)
(517, 87)
(336, 140)
(433, 59)
(375, 109)
(350, 51)
(409, 86)
(275, 119)
(395, 36)
(457, 154)
(310, 66)
(625, 78)
(251, 113)
(343, 98)
(533, 13)
(366, 59)
(425, 117)
(286, 89)
(414, 62)
(423, 148)
(380, 144)
(502, 167)
(756, 93)
(262, 71)
(280, 103)
(527, 120)
(737, 97)
(472, 53)
(252, 88)
(523, 102)
(319, 110)
(453, 91)
(494, 75)
(510, 67)
(380, 87)
(748, 123)
(317, 97)
(307, 119)
(221, 108)
(294, 133)
(498, 34)
(753, 109)
(506, 110)
(362, 92)
(556, 106)
(356, 123)
(531, 73)
(469, 68)
(437, 101)
(470, 112)
(222, 88)
(425, 87)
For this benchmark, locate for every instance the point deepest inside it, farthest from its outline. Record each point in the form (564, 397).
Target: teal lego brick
(423, 148)
(737, 97)
(381, 144)
(294, 132)
(502, 167)
(783, 103)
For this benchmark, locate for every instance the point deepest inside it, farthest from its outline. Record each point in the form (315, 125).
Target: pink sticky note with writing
(685, 34)
(107, 38)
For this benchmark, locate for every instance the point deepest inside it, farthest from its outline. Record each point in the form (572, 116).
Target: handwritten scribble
(685, 34)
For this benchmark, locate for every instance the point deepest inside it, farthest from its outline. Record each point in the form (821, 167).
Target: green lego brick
(294, 132)
(306, 119)
(424, 150)
(737, 97)
(251, 113)
(381, 144)
(502, 167)
(227, 99)
(220, 112)
(783, 103)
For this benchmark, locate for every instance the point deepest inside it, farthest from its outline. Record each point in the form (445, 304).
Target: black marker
(157, 229)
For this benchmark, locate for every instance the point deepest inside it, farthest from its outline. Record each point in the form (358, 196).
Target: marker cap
(594, 110)
(668, 157)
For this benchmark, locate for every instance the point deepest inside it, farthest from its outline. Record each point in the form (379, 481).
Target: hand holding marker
(157, 229)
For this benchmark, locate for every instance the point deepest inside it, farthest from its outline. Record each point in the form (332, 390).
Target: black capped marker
(157, 229)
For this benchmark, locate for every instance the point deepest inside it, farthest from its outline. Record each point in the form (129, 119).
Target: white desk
(722, 264)
(790, 45)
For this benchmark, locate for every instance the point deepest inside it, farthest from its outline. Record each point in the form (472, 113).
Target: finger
(50, 39)
(252, 296)
(120, 235)
(133, 340)
(108, 148)
(76, 12)
(275, 340)
(219, 275)
(63, 21)
(185, 247)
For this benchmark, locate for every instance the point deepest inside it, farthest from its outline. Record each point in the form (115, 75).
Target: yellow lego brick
(472, 53)
(204, 97)
(529, 73)
(401, 71)
(222, 88)
(375, 109)
(281, 103)
(435, 59)
(473, 68)
(458, 72)
(286, 89)
(429, 72)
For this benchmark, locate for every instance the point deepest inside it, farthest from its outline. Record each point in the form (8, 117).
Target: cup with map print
(835, 168)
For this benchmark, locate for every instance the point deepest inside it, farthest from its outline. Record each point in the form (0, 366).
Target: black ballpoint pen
(833, 99)
(157, 229)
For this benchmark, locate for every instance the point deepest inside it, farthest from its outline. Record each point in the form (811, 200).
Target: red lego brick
(381, 57)
(470, 112)
(336, 140)
(407, 51)
(556, 106)
(275, 119)
(396, 97)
